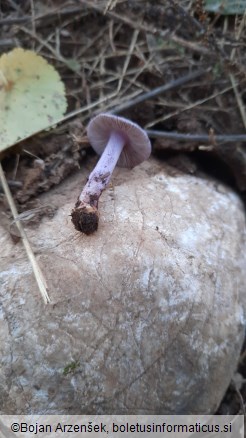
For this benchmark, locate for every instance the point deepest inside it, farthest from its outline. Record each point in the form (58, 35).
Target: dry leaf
(32, 96)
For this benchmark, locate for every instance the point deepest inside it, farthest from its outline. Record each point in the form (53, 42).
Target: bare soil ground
(113, 55)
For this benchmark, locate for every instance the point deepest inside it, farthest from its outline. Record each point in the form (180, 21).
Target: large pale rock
(147, 314)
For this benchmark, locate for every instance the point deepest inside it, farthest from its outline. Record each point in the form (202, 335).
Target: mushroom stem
(85, 215)
(100, 176)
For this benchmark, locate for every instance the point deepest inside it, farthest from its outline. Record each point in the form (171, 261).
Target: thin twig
(185, 13)
(33, 16)
(54, 13)
(8, 42)
(232, 77)
(188, 107)
(12, 183)
(127, 59)
(239, 99)
(130, 102)
(110, 5)
(50, 48)
(40, 279)
(167, 34)
(150, 94)
(197, 137)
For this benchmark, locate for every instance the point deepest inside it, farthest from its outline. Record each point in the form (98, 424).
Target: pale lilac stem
(100, 176)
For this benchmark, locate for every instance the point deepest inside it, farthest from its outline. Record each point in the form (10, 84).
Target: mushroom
(118, 141)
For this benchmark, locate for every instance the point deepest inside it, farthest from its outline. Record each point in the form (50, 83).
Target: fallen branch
(198, 137)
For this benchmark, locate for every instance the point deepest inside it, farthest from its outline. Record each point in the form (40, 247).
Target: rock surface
(147, 314)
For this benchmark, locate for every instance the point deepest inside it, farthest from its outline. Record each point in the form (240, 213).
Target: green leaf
(226, 7)
(32, 96)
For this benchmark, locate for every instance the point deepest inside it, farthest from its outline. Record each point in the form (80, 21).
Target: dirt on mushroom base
(85, 218)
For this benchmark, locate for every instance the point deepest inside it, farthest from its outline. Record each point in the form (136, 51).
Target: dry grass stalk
(40, 279)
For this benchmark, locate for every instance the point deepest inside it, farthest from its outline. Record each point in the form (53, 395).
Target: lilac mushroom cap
(137, 146)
